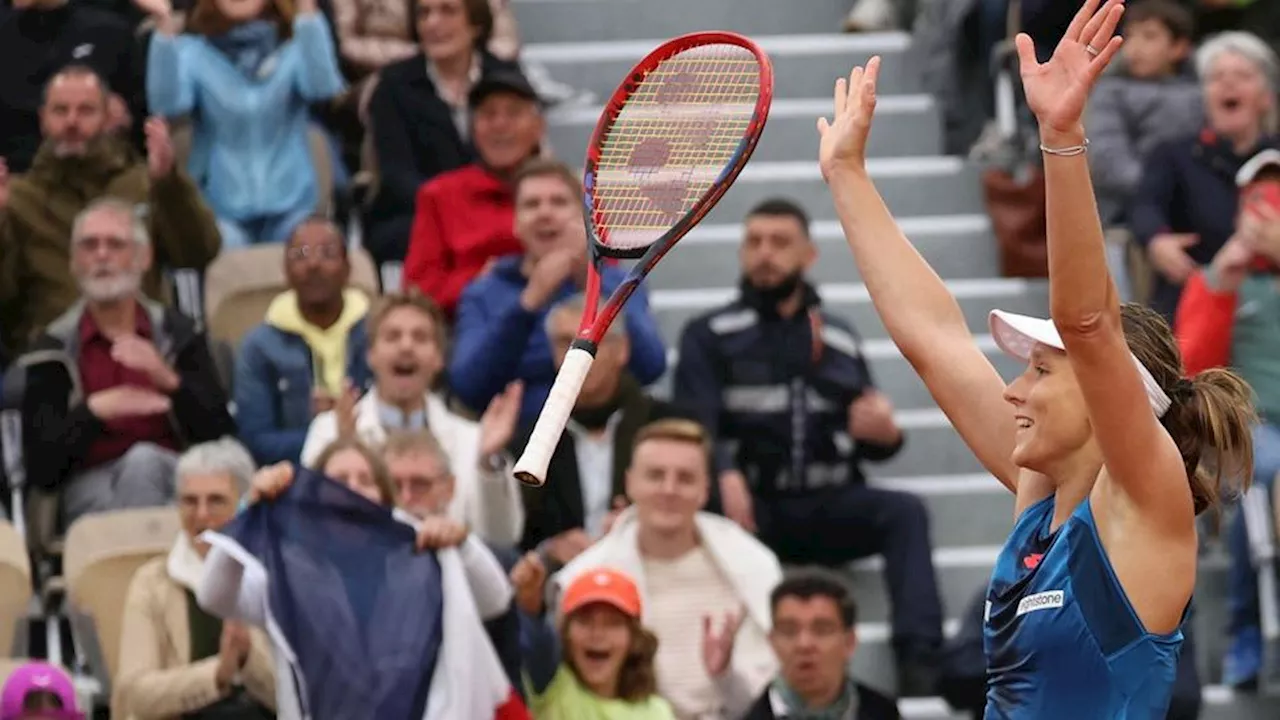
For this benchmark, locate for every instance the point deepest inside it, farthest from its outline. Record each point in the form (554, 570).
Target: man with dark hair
(80, 160)
(814, 638)
(788, 396)
(313, 339)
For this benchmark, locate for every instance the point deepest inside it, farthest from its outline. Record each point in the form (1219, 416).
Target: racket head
(671, 140)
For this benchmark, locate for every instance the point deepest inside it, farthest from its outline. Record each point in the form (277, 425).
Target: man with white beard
(118, 384)
(80, 160)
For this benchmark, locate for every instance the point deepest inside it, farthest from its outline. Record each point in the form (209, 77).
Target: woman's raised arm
(1140, 456)
(921, 315)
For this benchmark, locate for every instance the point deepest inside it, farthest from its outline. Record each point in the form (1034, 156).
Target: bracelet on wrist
(1068, 151)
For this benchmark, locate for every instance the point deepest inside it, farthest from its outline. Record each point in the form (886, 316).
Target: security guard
(785, 390)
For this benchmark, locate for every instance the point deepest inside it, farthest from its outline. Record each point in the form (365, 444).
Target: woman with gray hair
(176, 660)
(1185, 208)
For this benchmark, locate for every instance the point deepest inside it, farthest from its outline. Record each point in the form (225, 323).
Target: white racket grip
(531, 468)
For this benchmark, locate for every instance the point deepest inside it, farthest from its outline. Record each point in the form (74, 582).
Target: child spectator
(602, 662)
(1152, 97)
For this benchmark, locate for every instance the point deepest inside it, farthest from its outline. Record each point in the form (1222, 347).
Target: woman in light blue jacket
(246, 73)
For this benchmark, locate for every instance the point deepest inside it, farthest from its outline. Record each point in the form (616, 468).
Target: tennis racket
(669, 143)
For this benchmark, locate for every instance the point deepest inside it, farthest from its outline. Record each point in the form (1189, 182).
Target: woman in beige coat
(176, 659)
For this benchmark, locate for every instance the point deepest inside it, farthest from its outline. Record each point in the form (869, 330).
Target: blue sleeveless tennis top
(1061, 639)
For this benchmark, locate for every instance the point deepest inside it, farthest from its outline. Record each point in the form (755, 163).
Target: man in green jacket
(79, 162)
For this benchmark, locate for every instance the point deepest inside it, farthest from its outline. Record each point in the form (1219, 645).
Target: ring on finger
(1093, 51)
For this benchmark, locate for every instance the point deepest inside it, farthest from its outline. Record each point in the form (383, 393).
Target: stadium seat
(239, 286)
(15, 586)
(102, 552)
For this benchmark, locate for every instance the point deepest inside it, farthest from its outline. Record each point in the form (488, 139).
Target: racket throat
(585, 344)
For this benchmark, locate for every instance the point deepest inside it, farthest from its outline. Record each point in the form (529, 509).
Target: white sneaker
(871, 16)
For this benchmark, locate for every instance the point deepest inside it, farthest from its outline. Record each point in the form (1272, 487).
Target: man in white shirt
(704, 580)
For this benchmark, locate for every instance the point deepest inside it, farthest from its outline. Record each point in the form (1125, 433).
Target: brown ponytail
(1212, 424)
(1212, 416)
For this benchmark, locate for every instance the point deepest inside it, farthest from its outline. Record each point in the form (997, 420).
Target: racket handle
(531, 468)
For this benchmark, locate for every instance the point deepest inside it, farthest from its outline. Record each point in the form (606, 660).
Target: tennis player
(1101, 438)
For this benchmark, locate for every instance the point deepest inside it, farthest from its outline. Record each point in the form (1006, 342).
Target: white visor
(1017, 334)
(1268, 158)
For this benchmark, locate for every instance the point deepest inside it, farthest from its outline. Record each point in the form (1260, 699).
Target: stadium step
(911, 186)
(804, 66)
(911, 126)
(957, 246)
(601, 20)
(977, 297)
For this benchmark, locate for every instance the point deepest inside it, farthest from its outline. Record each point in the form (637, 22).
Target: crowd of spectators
(645, 578)
(147, 144)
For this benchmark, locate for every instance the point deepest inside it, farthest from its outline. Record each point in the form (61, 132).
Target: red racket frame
(595, 324)
(532, 466)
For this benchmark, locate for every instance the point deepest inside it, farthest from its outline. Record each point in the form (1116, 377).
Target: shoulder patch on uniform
(840, 340)
(732, 321)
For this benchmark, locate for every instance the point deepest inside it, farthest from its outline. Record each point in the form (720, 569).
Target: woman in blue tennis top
(1100, 438)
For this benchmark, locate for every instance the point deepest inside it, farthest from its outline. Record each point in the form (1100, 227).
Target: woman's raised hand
(844, 138)
(1057, 90)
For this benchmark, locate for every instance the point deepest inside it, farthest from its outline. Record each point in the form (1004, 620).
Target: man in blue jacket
(312, 340)
(499, 335)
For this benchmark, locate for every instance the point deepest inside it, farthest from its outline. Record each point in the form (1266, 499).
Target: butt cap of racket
(531, 468)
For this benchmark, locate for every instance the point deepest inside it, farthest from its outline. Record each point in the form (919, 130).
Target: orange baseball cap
(602, 585)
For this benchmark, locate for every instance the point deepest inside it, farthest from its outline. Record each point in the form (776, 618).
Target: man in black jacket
(118, 384)
(814, 638)
(40, 37)
(587, 476)
(789, 398)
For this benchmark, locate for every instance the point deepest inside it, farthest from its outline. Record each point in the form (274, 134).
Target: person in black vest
(784, 387)
(814, 638)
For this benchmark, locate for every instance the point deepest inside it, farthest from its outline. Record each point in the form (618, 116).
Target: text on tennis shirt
(1041, 601)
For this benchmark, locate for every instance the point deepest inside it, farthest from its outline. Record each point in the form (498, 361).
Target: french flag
(364, 626)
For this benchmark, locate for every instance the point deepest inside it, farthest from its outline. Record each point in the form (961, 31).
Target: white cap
(1017, 334)
(1256, 164)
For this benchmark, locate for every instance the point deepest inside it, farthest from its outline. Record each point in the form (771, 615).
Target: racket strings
(679, 129)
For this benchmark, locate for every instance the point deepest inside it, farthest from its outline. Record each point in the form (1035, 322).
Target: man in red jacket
(466, 217)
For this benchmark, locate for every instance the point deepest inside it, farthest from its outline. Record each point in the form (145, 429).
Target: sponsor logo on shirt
(1041, 601)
